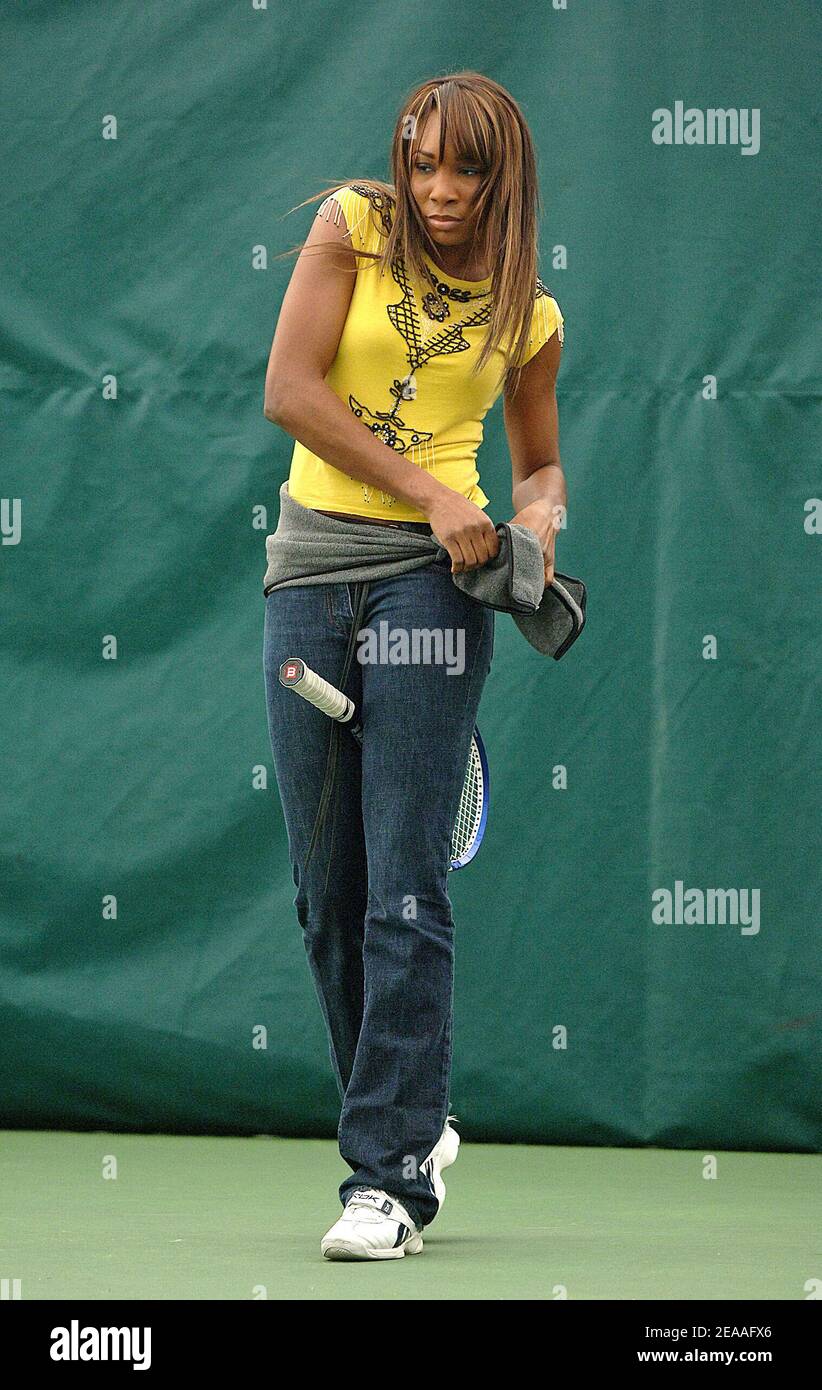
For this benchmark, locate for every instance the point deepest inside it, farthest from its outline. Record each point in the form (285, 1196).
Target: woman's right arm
(298, 399)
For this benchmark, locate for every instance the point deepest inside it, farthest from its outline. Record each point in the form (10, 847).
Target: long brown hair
(485, 125)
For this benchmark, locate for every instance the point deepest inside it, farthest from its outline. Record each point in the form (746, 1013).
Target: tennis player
(412, 306)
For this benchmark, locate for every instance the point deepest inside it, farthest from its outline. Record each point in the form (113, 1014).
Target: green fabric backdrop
(139, 299)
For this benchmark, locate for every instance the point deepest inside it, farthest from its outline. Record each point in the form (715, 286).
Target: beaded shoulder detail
(542, 293)
(380, 204)
(542, 289)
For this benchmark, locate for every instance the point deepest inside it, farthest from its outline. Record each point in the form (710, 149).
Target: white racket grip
(298, 677)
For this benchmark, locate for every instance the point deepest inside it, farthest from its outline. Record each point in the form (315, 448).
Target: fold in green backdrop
(143, 516)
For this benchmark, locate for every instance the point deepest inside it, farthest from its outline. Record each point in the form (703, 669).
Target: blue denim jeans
(372, 896)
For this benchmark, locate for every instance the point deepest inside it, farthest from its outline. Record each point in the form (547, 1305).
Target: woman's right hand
(463, 528)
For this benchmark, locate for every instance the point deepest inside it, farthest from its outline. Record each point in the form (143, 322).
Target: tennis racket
(469, 827)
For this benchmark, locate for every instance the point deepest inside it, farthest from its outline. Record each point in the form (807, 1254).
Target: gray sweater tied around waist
(309, 547)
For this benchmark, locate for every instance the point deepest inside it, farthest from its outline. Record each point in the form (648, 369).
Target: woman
(411, 308)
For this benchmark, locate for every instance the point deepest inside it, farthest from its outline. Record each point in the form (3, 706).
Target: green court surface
(227, 1218)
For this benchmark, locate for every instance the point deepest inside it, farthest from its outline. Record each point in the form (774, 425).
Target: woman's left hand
(539, 517)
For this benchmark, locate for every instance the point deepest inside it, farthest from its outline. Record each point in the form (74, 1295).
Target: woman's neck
(453, 260)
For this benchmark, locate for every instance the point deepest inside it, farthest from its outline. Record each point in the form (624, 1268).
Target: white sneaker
(373, 1226)
(442, 1155)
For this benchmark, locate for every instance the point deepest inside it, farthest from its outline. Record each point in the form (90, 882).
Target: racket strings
(469, 812)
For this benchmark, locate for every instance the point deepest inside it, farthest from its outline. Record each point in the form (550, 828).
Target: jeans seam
(336, 622)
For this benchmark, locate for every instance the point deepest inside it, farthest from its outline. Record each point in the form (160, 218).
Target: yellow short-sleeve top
(403, 366)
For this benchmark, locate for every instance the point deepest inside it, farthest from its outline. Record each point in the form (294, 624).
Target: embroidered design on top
(421, 346)
(389, 425)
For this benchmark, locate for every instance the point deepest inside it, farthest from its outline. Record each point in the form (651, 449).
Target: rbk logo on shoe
(362, 1196)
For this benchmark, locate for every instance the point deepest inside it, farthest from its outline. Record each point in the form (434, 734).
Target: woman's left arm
(532, 425)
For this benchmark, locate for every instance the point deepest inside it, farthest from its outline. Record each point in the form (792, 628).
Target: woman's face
(444, 193)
